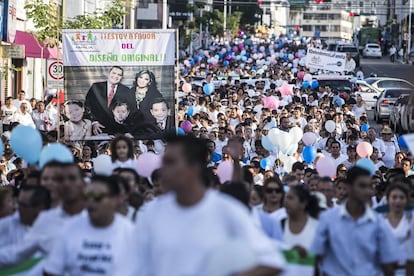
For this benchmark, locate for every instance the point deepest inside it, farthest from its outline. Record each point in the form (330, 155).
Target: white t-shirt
(129, 164)
(41, 236)
(304, 238)
(277, 215)
(12, 230)
(8, 114)
(341, 159)
(404, 235)
(181, 240)
(23, 119)
(82, 249)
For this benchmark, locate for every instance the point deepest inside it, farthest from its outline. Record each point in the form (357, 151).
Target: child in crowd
(77, 128)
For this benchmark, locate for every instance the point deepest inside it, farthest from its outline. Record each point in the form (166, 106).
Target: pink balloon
(271, 102)
(235, 49)
(297, 55)
(147, 163)
(309, 138)
(364, 149)
(286, 89)
(187, 63)
(187, 87)
(325, 166)
(186, 126)
(225, 171)
(301, 74)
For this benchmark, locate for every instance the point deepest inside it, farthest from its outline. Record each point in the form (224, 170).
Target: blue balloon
(215, 157)
(294, 70)
(55, 152)
(192, 62)
(306, 84)
(196, 59)
(244, 58)
(1, 148)
(201, 53)
(263, 163)
(402, 143)
(338, 101)
(309, 154)
(220, 55)
(238, 57)
(190, 110)
(180, 131)
(315, 84)
(281, 55)
(286, 58)
(266, 143)
(226, 63)
(367, 164)
(364, 127)
(208, 88)
(26, 142)
(216, 57)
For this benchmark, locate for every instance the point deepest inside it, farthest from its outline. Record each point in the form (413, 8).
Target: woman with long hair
(122, 153)
(273, 198)
(145, 91)
(400, 223)
(302, 210)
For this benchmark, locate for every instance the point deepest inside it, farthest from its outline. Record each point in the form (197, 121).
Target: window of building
(307, 16)
(307, 28)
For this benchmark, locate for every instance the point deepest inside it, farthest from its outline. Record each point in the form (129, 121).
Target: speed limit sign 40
(55, 70)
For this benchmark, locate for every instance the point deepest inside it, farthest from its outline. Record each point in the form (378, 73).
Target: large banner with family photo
(119, 81)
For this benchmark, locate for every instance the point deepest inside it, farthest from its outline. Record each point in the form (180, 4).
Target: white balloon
(284, 140)
(103, 165)
(274, 135)
(330, 126)
(296, 134)
(307, 77)
(309, 138)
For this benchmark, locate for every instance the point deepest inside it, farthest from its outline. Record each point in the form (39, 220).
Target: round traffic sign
(55, 70)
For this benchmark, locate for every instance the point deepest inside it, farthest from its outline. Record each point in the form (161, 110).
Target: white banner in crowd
(121, 47)
(325, 60)
(119, 82)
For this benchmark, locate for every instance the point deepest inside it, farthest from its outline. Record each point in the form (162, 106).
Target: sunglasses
(271, 190)
(97, 197)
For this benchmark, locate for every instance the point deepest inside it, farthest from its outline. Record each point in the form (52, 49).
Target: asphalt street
(384, 68)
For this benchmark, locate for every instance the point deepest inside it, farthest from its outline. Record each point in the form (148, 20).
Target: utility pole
(225, 17)
(164, 14)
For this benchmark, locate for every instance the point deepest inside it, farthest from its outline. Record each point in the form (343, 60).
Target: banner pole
(177, 76)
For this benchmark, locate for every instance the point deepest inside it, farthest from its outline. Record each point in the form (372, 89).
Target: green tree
(215, 20)
(46, 21)
(49, 24)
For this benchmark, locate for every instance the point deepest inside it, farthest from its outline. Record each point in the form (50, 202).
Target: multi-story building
(327, 21)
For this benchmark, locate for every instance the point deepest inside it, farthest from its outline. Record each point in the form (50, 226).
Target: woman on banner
(145, 91)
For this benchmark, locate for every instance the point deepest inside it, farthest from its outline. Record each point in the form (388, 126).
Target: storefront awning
(33, 48)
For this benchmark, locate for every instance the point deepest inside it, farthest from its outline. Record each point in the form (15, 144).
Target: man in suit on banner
(102, 96)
